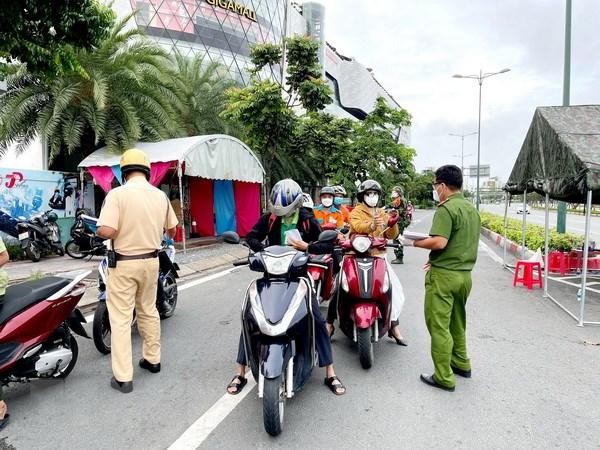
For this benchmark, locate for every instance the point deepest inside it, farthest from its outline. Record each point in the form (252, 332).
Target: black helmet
(327, 190)
(368, 185)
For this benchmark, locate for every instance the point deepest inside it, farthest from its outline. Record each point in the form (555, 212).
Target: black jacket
(268, 228)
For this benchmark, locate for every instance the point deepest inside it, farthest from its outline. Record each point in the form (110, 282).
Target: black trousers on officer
(322, 340)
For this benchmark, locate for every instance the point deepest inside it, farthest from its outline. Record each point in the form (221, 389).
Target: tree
(265, 108)
(419, 189)
(125, 93)
(46, 34)
(202, 96)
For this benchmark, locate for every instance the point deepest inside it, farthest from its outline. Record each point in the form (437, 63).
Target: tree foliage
(46, 34)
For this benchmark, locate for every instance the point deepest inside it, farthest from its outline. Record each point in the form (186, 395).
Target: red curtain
(247, 205)
(158, 170)
(201, 205)
(103, 176)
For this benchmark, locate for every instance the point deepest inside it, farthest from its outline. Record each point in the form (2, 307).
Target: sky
(414, 48)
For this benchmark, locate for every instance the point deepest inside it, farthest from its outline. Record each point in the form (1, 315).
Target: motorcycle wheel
(60, 251)
(75, 350)
(101, 329)
(365, 348)
(33, 253)
(73, 250)
(170, 290)
(274, 405)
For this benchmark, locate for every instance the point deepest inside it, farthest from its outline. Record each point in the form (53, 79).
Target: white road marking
(206, 279)
(491, 253)
(197, 433)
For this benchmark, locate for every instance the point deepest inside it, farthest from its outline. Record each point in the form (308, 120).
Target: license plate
(23, 236)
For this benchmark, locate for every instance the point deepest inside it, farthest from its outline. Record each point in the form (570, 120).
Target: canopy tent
(560, 159)
(211, 157)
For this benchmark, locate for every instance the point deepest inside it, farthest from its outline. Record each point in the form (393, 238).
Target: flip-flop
(238, 386)
(4, 421)
(329, 382)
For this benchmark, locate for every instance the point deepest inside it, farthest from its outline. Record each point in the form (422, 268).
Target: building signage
(235, 7)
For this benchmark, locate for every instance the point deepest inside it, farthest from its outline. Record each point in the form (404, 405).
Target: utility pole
(561, 216)
(462, 149)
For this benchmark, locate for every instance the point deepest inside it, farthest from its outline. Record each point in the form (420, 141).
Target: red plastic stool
(526, 278)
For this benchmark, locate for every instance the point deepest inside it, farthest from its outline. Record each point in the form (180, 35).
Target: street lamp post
(462, 149)
(482, 76)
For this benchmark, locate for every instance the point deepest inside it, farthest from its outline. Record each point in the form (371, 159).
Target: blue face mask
(338, 201)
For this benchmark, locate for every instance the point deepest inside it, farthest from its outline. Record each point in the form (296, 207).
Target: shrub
(534, 234)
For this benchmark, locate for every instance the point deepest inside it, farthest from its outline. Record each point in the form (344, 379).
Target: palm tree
(124, 93)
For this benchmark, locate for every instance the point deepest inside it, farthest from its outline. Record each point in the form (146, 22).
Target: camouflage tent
(560, 155)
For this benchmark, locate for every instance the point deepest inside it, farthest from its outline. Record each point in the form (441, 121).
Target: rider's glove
(393, 220)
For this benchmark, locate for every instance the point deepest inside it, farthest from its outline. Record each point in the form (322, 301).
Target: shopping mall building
(224, 30)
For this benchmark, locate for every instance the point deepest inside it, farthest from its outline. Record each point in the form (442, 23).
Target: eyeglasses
(436, 184)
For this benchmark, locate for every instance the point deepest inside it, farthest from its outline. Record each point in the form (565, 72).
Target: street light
(482, 76)
(462, 149)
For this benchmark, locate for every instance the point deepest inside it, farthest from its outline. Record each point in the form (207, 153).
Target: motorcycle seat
(22, 295)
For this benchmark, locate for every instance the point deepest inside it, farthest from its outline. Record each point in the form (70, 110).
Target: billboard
(484, 171)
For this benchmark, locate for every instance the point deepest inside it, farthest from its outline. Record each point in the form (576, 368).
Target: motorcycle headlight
(361, 244)
(344, 282)
(278, 265)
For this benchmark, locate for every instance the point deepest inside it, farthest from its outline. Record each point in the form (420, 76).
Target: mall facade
(224, 30)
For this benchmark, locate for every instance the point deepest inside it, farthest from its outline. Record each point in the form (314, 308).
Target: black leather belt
(153, 254)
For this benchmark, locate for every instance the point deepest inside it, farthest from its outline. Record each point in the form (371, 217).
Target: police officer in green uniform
(399, 205)
(453, 241)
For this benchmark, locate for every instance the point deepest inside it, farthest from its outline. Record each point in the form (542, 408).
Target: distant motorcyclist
(367, 219)
(326, 213)
(286, 213)
(399, 205)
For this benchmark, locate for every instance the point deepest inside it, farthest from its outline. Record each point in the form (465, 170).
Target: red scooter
(364, 297)
(36, 320)
(321, 270)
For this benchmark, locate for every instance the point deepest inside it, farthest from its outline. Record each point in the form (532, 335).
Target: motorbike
(40, 235)
(364, 294)
(84, 241)
(37, 319)
(278, 325)
(166, 297)
(323, 268)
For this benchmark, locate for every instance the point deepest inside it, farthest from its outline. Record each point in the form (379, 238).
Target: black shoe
(153, 368)
(428, 379)
(462, 373)
(124, 386)
(398, 261)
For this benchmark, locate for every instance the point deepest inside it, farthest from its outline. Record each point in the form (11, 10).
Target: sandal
(238, 386)
(4, 421)
(399, 341)
(335, 387)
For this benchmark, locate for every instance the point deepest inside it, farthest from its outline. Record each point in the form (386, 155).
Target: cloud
(414, 49)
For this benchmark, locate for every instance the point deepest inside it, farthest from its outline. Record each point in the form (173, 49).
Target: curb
(511, 247)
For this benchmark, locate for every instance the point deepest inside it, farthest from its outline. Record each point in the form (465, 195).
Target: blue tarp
(224, 204)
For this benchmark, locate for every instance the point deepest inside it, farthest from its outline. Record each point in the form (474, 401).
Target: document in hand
(414, 236)
(293, 235)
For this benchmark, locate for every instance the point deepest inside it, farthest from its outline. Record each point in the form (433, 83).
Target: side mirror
(328, 236)
(231, 237)
(345, 230)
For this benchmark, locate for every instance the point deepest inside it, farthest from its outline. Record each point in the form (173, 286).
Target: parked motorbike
(40, 235)
(36, 321)
(84, 241)
(166, 297)
(278, 326)
(364, 294)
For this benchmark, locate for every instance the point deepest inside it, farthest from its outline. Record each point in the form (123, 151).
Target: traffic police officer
(135, 216)
(400, 206)
(453, 241)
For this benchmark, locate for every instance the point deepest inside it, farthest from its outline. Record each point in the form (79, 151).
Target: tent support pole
(505, 228)
(81, 181)
(546, 244)
(586, 243)
(524, 229)
(182, 200)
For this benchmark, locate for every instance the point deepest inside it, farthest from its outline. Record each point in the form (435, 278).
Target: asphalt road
(534, 382)
(575, 223)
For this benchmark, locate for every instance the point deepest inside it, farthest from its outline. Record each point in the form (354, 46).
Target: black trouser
(322, 340)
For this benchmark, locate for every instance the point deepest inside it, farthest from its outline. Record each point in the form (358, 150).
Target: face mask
(327, 202)
(372, 200)
(436, 196)
(338, 201)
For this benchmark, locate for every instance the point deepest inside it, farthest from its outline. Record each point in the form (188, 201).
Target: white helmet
(286, 197)
(339, 190)
(307, 201)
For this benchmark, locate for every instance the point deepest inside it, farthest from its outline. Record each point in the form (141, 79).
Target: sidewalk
(195, 262)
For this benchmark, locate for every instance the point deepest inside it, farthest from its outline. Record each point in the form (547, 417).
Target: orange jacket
(331, 215)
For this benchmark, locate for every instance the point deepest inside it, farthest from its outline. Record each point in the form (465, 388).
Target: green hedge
(534, 234)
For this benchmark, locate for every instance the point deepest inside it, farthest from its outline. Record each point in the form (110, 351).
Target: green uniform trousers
(446, 293)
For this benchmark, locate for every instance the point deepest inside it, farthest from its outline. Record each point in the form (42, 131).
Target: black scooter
(278, 325)
(40, 235)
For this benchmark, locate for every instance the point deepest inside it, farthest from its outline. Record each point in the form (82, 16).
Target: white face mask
(372, 200)
(436, 196)
(327, 202)
(395, 195)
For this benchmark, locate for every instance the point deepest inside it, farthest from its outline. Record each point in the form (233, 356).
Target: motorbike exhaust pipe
(261, 383)
(376, 330)
(289, 379)
(355, 337)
